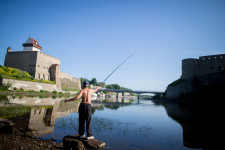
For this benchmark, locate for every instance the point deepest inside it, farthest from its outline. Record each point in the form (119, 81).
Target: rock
(6, 126)
(75, 140)
(70, 142)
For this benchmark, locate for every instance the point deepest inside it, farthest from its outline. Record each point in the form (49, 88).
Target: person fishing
(85, 111)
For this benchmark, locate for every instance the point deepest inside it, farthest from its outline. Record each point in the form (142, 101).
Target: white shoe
(82, 136)
(90, 137)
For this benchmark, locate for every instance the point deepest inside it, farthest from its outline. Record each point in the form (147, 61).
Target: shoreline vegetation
(17, 74)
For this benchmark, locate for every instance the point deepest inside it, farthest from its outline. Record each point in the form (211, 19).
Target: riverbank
(34, 93)
(12, 138)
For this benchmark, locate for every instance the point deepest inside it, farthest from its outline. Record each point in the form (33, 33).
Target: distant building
(197, 73)
(202, 66)
(40, 65)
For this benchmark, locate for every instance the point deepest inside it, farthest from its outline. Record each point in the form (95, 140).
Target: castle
(207, 70)
(40, 65)
(202, 66)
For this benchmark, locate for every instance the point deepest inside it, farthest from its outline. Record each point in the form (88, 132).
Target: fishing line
(117, 68)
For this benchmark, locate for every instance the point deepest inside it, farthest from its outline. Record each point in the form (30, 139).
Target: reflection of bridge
(117, 91)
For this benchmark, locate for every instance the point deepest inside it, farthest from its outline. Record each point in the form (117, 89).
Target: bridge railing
(129, 91)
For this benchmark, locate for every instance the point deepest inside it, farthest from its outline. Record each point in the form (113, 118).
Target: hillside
(13, 73)
(210, 86)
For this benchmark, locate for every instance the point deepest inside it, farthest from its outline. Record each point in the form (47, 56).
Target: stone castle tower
(40, 65)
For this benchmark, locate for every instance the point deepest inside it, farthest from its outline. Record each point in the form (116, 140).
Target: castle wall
(23, 60)
(41, 67)
(189, 68)
(28, 85)
(211, 64)
(65, 75)
(202, 66)
(44, 62)
(70, 85)
(68, 82)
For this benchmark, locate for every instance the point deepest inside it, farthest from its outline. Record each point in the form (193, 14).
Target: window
(39, 76)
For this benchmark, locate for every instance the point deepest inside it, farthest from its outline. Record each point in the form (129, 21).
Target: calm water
(121, 124)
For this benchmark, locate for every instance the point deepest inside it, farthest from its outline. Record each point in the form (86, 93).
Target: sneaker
(90, 137)
(82, 136)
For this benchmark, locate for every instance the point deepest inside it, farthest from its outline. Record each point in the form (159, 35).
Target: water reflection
(122, 123)
(35, 114)
(202, 123)
(38, 115)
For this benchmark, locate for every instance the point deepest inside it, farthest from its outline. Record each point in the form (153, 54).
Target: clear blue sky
(92, 37)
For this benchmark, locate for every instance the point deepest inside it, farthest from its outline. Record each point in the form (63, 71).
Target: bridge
(117, 91)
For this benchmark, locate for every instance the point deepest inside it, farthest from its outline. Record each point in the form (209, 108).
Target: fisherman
(85, 111)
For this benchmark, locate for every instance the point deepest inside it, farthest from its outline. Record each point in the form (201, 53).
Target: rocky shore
(18, 139)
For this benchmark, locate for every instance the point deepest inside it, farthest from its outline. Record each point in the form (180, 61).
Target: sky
(92, 37)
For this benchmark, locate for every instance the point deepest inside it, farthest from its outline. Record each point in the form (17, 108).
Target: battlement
(19, 53)
(212, 58)
(202, 66)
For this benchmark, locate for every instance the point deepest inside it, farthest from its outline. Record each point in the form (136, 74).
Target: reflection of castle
(43, 113)
(201, 128)
(40, 65)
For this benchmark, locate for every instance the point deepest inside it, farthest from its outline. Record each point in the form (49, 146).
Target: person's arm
(75, 98)
(95, 90)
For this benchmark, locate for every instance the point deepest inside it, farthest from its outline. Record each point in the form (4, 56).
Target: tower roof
(32, 43)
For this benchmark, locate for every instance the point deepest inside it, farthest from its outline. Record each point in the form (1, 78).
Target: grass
(11, 112)
(177, 82)
(13, 73)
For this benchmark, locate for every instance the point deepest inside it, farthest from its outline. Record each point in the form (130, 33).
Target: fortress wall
(68, 82)
(65, 75)
(189, 68)
(211, 64)
(70, 85)
(202, 66)
(28, 85)
(44, 62)
(24, 60)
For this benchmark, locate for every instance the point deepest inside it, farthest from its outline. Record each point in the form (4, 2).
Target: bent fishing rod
(117, 68)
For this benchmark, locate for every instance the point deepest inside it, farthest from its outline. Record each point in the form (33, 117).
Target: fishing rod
(117, 68)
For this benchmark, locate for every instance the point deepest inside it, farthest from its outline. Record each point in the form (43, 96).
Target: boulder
(6, 126)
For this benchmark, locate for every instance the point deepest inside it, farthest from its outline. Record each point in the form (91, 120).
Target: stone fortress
(40, 65)
(198, 72)
(202, 66)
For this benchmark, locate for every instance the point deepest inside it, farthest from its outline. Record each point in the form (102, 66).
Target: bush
(54, 92)
(5, 86)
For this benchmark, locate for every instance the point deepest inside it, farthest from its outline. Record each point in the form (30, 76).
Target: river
(121, 124)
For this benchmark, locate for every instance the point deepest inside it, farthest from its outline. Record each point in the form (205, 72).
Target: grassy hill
(13, 73)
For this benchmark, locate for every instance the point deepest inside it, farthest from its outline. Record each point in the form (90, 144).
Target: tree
(93, 81)
(113, 86)
(103, 84)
